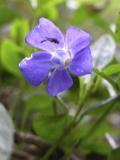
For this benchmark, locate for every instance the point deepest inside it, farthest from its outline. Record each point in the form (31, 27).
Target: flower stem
(72, 124)
(81, 105)
(90, 132)
(66, 107)
(111, 103)
(96, 106)
(96, 125)
(110, 80)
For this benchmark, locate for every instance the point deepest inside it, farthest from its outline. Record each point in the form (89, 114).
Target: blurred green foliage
(48, 117)
(9, 54)
(20, 28)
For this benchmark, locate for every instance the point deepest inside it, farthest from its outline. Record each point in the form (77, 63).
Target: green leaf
(100, 106)
(10, 57)
(112, 69)
(20, 28)
(48, 8)
(50, 128)
(7, 15)
(96, 142)
(117, 32)
(81, 15)
(108, 78)
(41, 104)
(115, 154)
(96, 145)
(103, 51)
(101, 22)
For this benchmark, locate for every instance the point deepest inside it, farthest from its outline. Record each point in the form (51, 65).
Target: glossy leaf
(103, 51)
(6, 134)
(100, 106)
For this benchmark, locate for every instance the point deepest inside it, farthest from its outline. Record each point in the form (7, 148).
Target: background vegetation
(35, 122)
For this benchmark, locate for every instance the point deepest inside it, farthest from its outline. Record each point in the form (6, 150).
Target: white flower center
(62, 57)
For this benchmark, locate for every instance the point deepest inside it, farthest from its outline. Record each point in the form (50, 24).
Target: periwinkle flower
(61, 54)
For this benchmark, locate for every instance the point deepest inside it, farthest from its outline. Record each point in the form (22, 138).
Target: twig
(29, 138)
(20, 155)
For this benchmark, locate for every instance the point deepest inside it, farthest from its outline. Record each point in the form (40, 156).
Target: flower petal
(36, 68)
(77, 39)
(46, 36)
(82, 63)
(59, 81)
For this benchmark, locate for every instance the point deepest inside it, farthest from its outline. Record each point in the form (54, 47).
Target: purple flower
(60, 55)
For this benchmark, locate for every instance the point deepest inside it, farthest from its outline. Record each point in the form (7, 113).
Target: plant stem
(110, 80)
(94, 127)
(68, 154)
(82, 103)
(97, 106)
(71, 126)
(66, 107)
